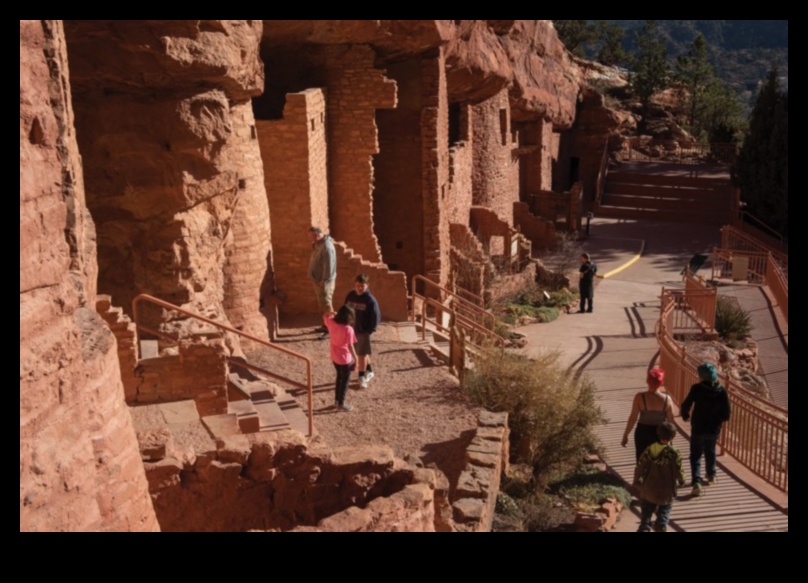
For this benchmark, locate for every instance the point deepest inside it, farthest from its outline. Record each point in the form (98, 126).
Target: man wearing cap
(708, 401)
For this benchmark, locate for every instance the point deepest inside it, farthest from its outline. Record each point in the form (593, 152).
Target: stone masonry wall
(79, 464)
(388, 287)
(125, 334)
(460, 165)
(356, 89)
(295, 172)
(541, 232)
(475, 497)
(248, 248)
(496, 169)
(435, 167)
(198, 371)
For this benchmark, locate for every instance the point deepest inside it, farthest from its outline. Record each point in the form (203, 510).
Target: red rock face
(526, 56)
(171, 154)
(80, 467)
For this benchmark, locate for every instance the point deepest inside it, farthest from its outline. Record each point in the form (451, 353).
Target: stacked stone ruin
(187, 159)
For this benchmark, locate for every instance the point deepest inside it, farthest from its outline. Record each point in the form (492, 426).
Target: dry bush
(552, 413)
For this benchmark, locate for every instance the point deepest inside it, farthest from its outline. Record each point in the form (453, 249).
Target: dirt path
(413, 405)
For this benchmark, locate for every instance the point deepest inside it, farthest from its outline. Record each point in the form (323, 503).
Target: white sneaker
(369, 376)
(363, 382)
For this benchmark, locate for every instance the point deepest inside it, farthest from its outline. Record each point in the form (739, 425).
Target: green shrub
(732, 322)
(586, 488)
(552, 413)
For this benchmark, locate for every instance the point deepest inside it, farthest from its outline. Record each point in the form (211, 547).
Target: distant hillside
(742, 51)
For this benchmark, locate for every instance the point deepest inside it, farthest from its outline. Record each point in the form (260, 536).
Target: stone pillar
(435, 167)
(496, 167)
(293, 150)
(356, 89)
(248, 253)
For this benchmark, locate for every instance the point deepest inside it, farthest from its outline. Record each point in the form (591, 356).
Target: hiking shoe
(696, 490)
(660, 528)
(345, 408)
(369, 377)
(711, 480)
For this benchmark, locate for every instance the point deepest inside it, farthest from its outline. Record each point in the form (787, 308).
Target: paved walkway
(615, 345)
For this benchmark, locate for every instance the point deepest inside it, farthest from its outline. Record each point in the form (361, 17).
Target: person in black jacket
(586, 283)
(368, 317)
(708, 401)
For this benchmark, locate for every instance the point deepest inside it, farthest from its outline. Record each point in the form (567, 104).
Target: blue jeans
(647, 510)
(702, 444)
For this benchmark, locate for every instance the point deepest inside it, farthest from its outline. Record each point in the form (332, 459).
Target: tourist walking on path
(323, 270)
(649, 410)
(657, 476)
(343, 354)
(586, 283)
(368, 317)
(708, 405)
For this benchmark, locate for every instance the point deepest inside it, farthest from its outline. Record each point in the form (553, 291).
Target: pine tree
(761, 169)
(650, 67)
(610, 38)
(696, 76)
(575, 34)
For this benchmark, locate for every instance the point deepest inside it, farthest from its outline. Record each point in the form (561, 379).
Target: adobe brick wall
(80, 468)
(495, 169)
(388, 287)
(435, 167)
(356, 89)
(125, 334)
(198, 372)
(293, 150)
(460, 164)
(541, 232)
(248, 247)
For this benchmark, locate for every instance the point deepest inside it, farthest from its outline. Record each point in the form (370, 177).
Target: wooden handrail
(478, 308)
(757, 433)
(308, 386)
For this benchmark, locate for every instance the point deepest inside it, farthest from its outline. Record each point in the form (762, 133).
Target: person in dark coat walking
(708, 405)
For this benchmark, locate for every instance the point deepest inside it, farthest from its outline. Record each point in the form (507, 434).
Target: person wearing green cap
(708, 401)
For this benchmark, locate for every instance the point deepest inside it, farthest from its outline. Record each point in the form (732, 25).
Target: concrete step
(271, 417)
(275, 409)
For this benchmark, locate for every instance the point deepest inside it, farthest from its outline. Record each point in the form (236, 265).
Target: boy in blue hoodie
(368, 317)
(657, 475)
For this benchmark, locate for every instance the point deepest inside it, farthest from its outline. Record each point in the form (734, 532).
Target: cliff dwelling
(169, 172)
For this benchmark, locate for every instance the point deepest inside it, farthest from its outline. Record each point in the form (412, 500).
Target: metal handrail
(308, 386)
(602, 172)
(757, 433)
(459, 319)
(731, 236)
(463, 302)
(758, 224)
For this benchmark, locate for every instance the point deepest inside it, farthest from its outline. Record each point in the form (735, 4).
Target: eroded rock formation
(79, 464)
(199, 152)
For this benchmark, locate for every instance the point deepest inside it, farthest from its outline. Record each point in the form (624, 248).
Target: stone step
(149, 349)
(271, 417)
(247, 416)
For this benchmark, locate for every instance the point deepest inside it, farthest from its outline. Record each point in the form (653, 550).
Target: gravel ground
(413, 405)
